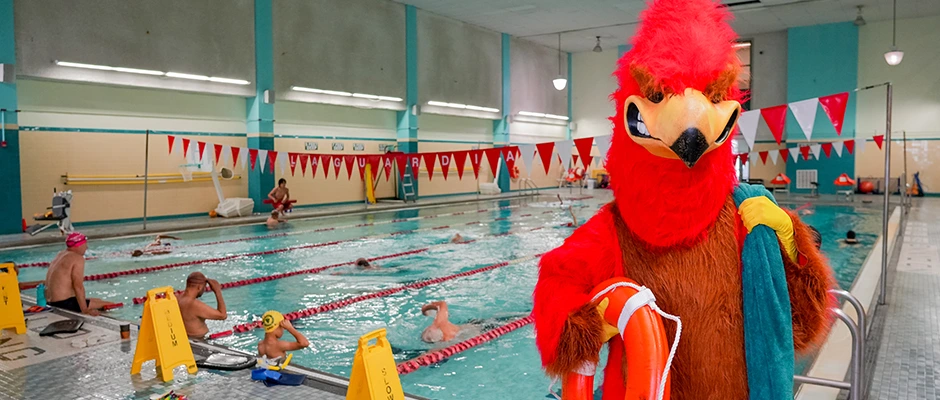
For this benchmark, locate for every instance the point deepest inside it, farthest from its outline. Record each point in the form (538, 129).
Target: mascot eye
(656, 97)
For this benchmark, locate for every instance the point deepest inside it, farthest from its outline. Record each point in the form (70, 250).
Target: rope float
(435, 357)
(307, 312)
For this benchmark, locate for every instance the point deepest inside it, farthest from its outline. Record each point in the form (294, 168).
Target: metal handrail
(855, 385)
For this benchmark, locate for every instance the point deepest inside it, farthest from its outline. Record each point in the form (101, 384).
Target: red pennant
(584, 146)
(218, 152)
(743, 158)
(303, 164)
(235, 152)
(446, 160)
(415, 161)
(763, 157)
(375, 162)
(805, 151)
(314, 164)
(429, 160)
(834, 106)
(776, 118)
(476, 157)
(292, 158)
(326, 161)
(850, 145)
(337, 164)
(460, 159)
(253, 155)
(575, 158)
(827, 149)
(170, 139)
(185, 147)
(510, 154)
(387, 165)
(361, 163)
(402, 161)
(784, 153)
(879, 140)
(272, 157)
(492, 157)
(350, 163)
(202, 150)
(545, 153)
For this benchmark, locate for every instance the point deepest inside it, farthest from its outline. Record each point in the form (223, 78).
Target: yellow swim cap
(271, 320)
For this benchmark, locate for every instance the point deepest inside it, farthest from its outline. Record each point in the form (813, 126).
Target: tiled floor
(908, 363)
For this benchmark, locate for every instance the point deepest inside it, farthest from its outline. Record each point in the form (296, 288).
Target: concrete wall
(593, 82)
(533, 68)
(768, 88)
(138, 34)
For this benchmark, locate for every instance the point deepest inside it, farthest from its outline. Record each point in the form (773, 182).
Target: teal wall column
(622, 49)
(260, 117)
(501, 126)
(407, 131)
(11, 199)
(823, 60)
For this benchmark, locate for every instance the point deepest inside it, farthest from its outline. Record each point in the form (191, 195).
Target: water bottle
(41, 295)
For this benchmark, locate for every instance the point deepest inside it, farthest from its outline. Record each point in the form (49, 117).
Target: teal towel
(768, 325)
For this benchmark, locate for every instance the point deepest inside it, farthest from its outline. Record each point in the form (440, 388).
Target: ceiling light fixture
(859, 19)
(345, 94)
(462, 106)
(542, 115)
(894, 56)
(597, 47)
(151, 72)
(561, 81)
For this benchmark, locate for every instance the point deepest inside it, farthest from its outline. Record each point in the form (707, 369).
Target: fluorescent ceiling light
(187, 76)
(388, 98)
(138, 71)
(543, 115)
(552, 116)
(345, 94)
(438, 103)
(151, 72)
(366, 96)
(228, 80)
(462, 106)
(457, 105)
(86, 66)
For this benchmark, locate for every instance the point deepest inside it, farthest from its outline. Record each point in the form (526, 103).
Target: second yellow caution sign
(11, 307)
(162, 336)
(374, 373)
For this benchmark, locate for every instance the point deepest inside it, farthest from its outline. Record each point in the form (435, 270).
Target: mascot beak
(681, 126)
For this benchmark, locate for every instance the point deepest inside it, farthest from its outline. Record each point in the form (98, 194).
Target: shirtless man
(280, 196)
(274, 220)
(457, 239)
(65, 279)
(156, 246)
(194, 311)
(441, 330)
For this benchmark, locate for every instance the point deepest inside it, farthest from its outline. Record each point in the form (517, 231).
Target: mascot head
(677, 105)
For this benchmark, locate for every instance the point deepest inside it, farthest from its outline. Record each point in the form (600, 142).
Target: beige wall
(921, 157)
(768, 171)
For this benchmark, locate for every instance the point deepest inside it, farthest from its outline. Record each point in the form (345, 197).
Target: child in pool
(272, 349)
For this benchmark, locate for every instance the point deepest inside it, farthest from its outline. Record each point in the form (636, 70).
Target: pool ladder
(855, 386)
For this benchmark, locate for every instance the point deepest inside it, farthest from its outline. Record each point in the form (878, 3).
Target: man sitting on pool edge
(65, 279)
(194, 311)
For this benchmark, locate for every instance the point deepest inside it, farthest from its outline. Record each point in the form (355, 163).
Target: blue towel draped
(768, 325)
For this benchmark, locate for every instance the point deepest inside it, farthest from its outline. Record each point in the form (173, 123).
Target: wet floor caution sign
(162, 336)
(374, 373)
(11, 307)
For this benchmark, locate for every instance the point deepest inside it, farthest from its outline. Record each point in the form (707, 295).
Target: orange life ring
(514, 173)
(632, 309)
(575, 174)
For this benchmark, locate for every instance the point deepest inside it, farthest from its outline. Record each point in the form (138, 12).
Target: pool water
(506, 231)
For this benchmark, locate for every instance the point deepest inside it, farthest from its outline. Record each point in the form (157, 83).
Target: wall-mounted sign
(337, 147)
(385, 148)
(359, 147)
(311, 146)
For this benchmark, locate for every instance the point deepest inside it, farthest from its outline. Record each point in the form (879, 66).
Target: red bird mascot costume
(675, 239)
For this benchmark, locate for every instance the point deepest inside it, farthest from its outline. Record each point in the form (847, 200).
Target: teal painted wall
(11, 200)
(260, 116)
(822, 60)
(501, 126)
(407, 131)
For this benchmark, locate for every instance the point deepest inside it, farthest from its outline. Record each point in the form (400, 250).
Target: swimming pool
(508, 235)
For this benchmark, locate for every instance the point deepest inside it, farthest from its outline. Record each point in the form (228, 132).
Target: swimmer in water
(441, 330)
(156, 247)
(850, 238)
(574, 219)
(274, 220)
(362, 263)
(457, 239)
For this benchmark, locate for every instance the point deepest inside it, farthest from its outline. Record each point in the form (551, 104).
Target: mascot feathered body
(673, 226)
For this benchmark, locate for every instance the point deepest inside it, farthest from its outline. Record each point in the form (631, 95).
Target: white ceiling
(614, 20)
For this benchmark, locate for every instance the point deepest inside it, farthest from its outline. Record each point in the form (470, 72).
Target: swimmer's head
(282, 182)
(77, 242)
(197, 281)
(850, 235)
(432, 334)
(271, 321)
(363, 263)
(137, 253)
(275, 214)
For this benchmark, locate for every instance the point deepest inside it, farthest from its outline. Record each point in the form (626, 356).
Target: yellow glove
(609, 330)
(761, 211)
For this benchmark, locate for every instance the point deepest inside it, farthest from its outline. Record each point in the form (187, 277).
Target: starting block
(162, 336)
(374, 373)
(11, 307)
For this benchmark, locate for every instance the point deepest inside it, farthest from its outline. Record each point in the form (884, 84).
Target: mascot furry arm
(673, 226)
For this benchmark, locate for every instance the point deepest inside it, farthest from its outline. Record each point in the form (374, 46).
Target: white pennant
(226, 154)
(837, 146)
(603, 146)
(805, 113)
(243, 158)
(795, 153)
(774, 156)
(262, 157)
(204, 157)
(528, 156)
(748, 126)
(815, 149)
(564, 148)
(753, 157)
(282, 161)
(859, 146)
(178, 145)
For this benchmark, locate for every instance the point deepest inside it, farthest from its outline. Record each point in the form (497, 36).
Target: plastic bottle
(41, 295)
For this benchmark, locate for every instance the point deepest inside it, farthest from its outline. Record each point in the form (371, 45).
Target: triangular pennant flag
(170, 139)
(748, 126)
(510, 154)
(859, 146)
(387, 162)
(263, 157)
(242, 157)
(776, 118)
(460, 159)
(281, 163)
(492, 157)
(177, 143)
(879, 139)
(545, 154)
(837, 146)
(795, 153)
(350, 163)
(429, 160)
(774, 156)
(303, 164)
(273, 156)
(574, 158)
(226, 153)
(236, 151)
(815, 149)
(414, 160)
(784, 153)
(804, 150)
(337, 164)
(402, 162)
(827, 149)
(375, 162)
(584, 146)
(834, 106)
(603, 146)
(293, 162)
(218, 153)
(446, 160)
(314, 164)
(564, 152)
(254, 157)
(361, 164)
(754, 156)
(185, 147)
(476, 157)
(202, 150)
(763, 157)
(528, 157)
(805, 113)
(326, 160)
(850, 146)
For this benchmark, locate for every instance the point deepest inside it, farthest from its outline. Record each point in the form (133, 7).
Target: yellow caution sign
(11, 307)
(162, 336)
(374, 373)
(370, 190)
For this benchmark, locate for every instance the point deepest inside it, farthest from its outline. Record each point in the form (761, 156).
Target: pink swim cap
(75, 239)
